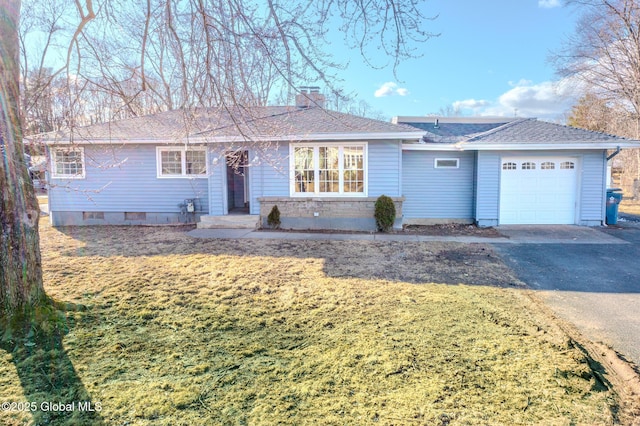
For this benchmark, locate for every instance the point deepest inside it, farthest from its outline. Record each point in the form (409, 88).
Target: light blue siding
(592, 188)
(437, 193)
(268, 175)
(385, 168)
(487, 188)
(591, 184)
(124, 179)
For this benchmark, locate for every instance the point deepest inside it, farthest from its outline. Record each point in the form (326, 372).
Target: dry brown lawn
(180, 331)
(630, 207)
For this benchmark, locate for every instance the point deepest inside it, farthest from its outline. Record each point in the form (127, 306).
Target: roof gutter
(462, 146)
(311, 137)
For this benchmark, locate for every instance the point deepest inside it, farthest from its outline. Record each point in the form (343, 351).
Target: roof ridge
(498, 129)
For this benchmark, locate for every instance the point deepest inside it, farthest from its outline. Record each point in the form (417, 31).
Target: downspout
(608, 176)
(617, 151)
(47, 178)
(606, 171)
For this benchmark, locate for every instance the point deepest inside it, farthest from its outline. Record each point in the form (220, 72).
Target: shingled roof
(233, 124)
(533, 131)
(453, 132)
(515, 133)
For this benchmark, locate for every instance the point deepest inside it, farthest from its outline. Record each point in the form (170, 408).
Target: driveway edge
(623, 375)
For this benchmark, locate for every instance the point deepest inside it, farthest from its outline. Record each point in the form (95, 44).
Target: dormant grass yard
(630, 207)
(163, 329)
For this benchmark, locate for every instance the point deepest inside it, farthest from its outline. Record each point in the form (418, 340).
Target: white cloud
(548, 4)
(525, 99)
(389, 89)
(544, 100)
(521, 82)
(470, 104)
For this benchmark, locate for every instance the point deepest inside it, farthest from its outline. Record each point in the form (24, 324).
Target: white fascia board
(518, 146)
(314, 137)
(113, 141)
(431, 147)
(405, 136)
(551, 146)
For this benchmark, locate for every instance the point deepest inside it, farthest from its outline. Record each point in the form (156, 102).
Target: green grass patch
(180, 331)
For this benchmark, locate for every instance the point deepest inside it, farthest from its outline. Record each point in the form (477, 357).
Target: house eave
(404, 136)
(431, 147)
(552, 146)
(519, 146)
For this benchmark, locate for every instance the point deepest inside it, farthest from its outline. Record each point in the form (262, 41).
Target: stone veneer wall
(342, 213)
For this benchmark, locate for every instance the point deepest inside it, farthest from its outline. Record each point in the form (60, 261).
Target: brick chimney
(309, 97)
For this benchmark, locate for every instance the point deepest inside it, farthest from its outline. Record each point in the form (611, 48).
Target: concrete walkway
(521, 234)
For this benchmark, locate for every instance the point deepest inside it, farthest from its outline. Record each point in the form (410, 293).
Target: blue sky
(490, 59)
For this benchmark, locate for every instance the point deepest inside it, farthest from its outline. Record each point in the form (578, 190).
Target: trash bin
(614, 196)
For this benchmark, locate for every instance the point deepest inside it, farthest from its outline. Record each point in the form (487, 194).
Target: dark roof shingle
(453, 132)
(525, 131)
(533, 131)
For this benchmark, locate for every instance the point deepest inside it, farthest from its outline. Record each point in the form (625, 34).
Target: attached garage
(538, 190)
(525, 171)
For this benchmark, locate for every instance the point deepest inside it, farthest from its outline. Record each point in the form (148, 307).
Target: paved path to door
(564, 234)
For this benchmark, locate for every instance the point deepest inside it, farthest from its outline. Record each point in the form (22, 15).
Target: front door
(237, 183)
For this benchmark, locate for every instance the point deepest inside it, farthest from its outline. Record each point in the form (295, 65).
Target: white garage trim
(538, 190)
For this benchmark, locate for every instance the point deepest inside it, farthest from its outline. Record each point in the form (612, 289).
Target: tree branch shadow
(48, 378)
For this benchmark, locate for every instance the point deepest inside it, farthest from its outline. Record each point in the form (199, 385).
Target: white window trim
(435, 163)
(183, 157)
(54, 169)
(316, 166)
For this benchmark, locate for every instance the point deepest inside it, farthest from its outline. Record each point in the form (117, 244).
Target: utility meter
(190, 206)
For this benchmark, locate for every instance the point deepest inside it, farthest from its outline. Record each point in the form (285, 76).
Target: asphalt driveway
(595, 285)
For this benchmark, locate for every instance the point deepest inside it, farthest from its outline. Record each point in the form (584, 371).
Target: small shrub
(385, 213)
(273, 220)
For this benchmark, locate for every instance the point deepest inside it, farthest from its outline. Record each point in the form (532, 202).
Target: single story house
(325, 169)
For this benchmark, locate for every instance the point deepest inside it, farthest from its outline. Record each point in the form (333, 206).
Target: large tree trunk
(20, 266)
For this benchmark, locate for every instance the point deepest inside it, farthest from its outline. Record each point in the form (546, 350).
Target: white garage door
(538, 190)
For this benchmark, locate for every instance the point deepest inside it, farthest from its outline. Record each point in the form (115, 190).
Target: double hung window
(182, 162)
(329, 169)
(68, 163)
